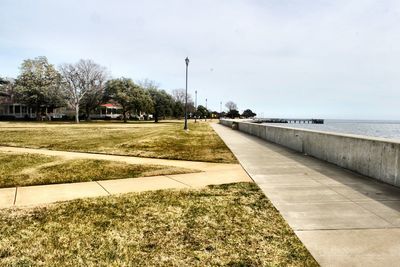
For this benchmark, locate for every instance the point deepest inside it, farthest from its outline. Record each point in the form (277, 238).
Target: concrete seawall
(374, 157)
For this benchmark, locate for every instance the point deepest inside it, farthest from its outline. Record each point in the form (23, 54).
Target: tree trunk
(124, 115)
(38, 115)
(155, 117)
(77, 113)
(87, 113)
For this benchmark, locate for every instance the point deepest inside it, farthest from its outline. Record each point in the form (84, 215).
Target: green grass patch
(155, 140)
(33, 169)
(227, 225)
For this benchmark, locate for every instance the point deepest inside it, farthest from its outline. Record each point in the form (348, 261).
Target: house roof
(109, 105)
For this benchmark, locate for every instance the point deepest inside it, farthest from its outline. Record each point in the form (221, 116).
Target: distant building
(12, 110)
(107, 111)
(9, 110)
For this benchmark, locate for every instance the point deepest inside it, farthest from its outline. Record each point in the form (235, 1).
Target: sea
(375, 128)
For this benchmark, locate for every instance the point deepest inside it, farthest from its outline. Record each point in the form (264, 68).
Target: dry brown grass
(163, 140)
(227, 225)
(34, 169)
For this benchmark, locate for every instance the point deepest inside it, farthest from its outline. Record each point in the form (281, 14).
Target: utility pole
(206, 110)
(195, 106)
(187, 64)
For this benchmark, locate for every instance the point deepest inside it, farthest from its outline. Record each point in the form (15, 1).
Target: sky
(280, 58)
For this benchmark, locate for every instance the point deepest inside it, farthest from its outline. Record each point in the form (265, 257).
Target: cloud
(284, 58)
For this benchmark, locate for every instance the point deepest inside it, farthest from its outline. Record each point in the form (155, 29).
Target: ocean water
(383, 129)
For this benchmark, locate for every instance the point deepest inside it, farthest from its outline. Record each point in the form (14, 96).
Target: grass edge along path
(225, 225)
(35, 169)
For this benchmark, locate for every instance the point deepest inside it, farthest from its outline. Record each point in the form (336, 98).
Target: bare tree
(8, 88)
(180, 94)
(82, 79)
(148, 84)
(231, 105)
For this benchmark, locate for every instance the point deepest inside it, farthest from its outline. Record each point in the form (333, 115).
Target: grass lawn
(157, 140)
(226, 225)
(34, 169)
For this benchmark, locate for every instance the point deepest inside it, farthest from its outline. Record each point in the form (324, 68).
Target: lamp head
(187, 61)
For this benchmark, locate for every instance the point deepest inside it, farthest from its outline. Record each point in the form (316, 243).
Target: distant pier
(275, 120)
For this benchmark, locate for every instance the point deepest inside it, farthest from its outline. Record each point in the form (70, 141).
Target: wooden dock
(276, 120)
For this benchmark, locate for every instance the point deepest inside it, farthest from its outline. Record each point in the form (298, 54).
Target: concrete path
(211, 173)
(344, 219)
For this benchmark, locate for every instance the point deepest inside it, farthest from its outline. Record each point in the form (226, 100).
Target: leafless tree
(180, 94)
(81, 79)
(231, 105)
(7, 88)
(148, 84)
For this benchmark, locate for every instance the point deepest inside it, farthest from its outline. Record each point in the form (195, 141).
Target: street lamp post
(195, 106)
(206, 110)
(187, 64)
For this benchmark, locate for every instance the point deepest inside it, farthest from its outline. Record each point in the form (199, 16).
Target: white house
(107, 111)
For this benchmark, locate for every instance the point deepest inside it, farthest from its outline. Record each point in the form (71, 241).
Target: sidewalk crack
(15, 195)
(178, 181)
(103, 187)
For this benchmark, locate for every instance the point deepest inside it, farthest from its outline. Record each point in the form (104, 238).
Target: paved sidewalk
(344, 219)
(211, 173)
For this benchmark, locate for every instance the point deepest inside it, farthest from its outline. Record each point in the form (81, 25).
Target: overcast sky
(319, 59)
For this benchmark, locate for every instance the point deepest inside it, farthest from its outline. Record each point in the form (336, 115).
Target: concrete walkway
(211, 173)
(344, 219)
